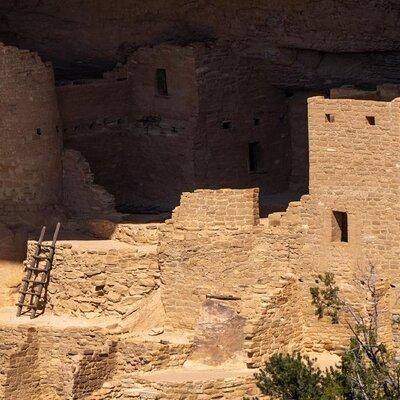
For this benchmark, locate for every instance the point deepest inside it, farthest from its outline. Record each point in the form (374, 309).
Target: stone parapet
(223, 208)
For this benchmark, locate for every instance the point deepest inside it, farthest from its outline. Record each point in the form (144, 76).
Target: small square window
(329, 118)
(256, 121)
(370, 120)
(39, 131)
(161, 81)
(226, 125)
(340, 227)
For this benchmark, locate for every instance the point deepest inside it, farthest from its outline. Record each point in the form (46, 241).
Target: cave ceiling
(302, 43)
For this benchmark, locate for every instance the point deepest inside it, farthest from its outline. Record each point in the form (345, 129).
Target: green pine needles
(367, 371)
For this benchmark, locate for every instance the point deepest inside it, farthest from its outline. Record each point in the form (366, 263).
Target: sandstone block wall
(182, 139)
(100, 278)
(146, 138)
(228, 208)
(89, 105)
(81, 196)
(208, 248)
(225, 389)
(132, 233)
(354, 170)
(180, 102)
(139, 355)
(49, 362)
(30, 165)
(277, 325)
(238, 106)
(95, 367)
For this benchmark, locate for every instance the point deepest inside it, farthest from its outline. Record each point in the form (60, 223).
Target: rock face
(88, 37)
(219, 334)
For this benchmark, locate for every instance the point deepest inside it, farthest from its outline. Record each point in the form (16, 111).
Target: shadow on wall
(94, 369)
(208, 117)
(23, 378)
(13, 243)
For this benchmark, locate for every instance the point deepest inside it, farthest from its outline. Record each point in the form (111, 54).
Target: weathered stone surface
(218, 335)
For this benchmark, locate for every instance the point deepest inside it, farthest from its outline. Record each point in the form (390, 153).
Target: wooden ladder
(37, 275)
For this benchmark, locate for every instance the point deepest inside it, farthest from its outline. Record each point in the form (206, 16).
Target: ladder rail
(45, 275)
(37, 275)
(25, 282)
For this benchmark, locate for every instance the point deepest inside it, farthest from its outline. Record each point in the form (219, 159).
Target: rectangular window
(340, 227)
(161, 78)
(226, 125)
(370, 120)
(254, 153)
(329, 118)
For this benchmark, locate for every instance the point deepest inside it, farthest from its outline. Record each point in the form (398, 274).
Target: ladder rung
(41, 258)
(37, 269)
(47, 246)
(44, 252)
(27, 305)
(28, 292)
(33, 281)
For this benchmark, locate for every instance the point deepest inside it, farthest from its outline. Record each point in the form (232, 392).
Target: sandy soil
(8, 318)
(189, 374)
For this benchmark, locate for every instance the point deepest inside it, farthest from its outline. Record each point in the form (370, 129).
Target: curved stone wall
(30, 133)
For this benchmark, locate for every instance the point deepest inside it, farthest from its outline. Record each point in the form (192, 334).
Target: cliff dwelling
(197, 165)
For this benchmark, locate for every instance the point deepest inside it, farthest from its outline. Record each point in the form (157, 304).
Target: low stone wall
(231, 208)
(132, 233)
(146, 356)
(52, 362)
(100, 278)
(232, 388)
(94, 368)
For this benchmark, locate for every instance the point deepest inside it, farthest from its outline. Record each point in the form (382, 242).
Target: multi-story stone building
(189, 305)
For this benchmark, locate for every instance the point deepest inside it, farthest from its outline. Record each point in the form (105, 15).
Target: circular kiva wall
(30, 133)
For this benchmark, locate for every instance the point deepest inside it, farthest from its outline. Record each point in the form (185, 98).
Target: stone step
(142, 393)
(194, 383)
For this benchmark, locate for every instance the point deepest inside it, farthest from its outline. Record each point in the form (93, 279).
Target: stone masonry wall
(195, 135)
(238, 106)
(277, 325)
(30, 155)
(214, 245)
(353, 169)
(215, 208)
(51, 363)
(95, 278)
(151, 150)
(132, 233)
(89, 105)
(225, 389)
(81, 196)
